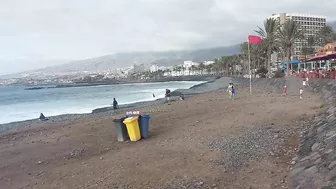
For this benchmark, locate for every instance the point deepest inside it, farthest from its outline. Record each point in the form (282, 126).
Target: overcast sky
(38, 33)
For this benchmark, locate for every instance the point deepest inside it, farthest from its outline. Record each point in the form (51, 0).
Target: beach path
(206, 141)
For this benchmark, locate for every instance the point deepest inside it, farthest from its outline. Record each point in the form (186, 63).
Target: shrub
(279, 74)
(262, 72)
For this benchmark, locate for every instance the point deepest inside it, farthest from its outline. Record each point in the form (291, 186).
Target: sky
(40, 33)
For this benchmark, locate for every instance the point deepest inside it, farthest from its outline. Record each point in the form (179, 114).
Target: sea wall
(315, 164)
(270, 83)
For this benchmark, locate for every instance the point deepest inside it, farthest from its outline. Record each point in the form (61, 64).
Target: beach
(205, 141)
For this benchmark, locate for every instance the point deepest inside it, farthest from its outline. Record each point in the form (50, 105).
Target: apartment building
(310, 25)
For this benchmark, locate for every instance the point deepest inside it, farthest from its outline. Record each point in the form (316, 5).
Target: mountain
(332, 24)
(119, 60)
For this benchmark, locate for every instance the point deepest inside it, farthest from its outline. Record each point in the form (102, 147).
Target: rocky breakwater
(267, 83)
(315, 163)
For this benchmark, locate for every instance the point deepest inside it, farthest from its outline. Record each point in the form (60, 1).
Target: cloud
(78, 29)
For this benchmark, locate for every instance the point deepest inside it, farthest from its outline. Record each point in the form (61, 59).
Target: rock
(76, 153)
(332, 174)
(328, 151)
(297, 171)
(40, 162)
(318, 161)
(331, 134)
(332, 165)
(101, 158)
(312, 170)
(315, 146)
(200, 183)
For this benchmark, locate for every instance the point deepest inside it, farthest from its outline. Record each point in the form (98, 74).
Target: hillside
(120, 60)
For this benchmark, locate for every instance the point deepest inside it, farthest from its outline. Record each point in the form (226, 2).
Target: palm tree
(269, 36)
(224, 64)
(217, 66)
(288, 33)
(209, 68)
(201, 67)
(326, 35)
(309, 47)
(167, 70)
(193, 68)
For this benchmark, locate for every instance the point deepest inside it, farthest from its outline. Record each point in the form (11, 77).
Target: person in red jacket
(284, 91)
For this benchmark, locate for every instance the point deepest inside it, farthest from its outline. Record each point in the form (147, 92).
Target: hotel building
(310, 25)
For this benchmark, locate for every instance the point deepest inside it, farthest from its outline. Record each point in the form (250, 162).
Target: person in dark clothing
(115, 104)
(233, 91)
(42, 117)
(153, 95)
(167, 95)
(182, 97)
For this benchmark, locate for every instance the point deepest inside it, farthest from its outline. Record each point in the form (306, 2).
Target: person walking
(229, 89)
(301, 93)
(284, 91)
(233, 93)
(167, 95)
(115, 104)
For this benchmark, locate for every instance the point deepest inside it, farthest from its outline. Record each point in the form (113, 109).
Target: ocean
(17, 104)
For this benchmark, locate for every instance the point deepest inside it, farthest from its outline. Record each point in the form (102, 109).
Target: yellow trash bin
(133, 128)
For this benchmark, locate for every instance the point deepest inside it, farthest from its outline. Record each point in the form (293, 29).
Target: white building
(310, 24)
(208, 62)
(154, 68)
(137, 68)
(188, 64)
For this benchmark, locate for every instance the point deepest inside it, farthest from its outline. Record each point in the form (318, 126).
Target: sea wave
(23, 105)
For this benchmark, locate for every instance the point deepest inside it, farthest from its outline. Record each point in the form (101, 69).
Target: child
(284, 92)
(301, 93)
(233, 92)
(229, 90)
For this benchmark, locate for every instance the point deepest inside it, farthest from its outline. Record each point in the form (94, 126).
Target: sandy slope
(206, 141)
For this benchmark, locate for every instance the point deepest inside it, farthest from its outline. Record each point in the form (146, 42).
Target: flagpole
(249, 62)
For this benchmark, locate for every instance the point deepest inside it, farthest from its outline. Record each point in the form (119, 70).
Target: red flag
(253, 39)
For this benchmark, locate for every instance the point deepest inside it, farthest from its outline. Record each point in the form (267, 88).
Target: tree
(193, 68)
(309, 47)
(288, 33)
(217, 66)
(209, 68)
(201, 67)
(224, 64)
(167, 70)
(326, 35)
(269, 36)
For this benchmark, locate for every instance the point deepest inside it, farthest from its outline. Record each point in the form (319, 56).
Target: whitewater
(17, 104)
